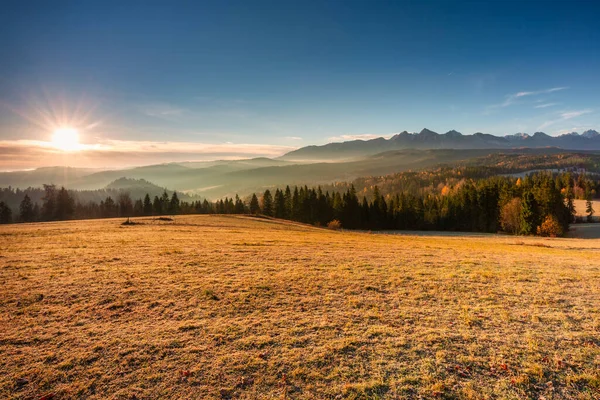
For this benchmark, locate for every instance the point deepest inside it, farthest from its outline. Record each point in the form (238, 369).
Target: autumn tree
(510, 216)
(550, 227)
(125, 204)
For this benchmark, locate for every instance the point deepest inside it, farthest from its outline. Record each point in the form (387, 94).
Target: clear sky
(175, 80)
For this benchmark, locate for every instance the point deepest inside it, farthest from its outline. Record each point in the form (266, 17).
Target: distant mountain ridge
(428, 139)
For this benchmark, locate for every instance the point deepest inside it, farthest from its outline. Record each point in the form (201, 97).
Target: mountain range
(427, 139)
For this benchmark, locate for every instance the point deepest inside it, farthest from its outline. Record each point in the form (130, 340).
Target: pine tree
(239, 205)
(36, 212)
(157, 206)
(164, 202)
(267, 201)
(207, 207)
(570, 197)
(138, 208)
(174, 204)
(288, 203)
(295, 209)
(589, 209)
(26, 210)
(338, 206)
(49, 203)
(254, 207)
(279, 204)
(529, 214)
(5, 213)
(110, 208)
(147, 205)
(65, 205)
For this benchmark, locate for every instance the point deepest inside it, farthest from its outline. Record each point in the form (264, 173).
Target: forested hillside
(460, 199)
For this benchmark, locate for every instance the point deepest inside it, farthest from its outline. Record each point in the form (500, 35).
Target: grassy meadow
(242, 307)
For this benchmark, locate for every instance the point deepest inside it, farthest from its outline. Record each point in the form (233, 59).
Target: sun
(66, 139)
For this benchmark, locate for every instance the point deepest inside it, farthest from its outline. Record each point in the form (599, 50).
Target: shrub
(550, 227)
(335, 225)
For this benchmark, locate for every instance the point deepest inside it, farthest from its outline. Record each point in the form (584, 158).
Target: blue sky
(285, 74)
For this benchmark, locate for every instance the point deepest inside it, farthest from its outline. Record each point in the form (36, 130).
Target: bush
(335, 225)
(550, 227)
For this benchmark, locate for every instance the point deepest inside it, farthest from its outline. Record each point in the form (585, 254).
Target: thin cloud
(546, 105)
(366, 136)
(573, 129)
(565, 116)
(24, 154)
(556, 89)
(574, 114)
(511, 98)
(293, 137)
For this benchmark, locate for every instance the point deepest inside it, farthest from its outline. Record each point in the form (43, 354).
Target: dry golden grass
(235, 307)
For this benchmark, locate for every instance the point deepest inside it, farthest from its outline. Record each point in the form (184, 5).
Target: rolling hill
(226, 178)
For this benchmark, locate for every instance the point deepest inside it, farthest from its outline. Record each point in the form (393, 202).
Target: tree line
(540, 203)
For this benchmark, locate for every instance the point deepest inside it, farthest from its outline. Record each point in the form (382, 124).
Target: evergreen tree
(338, 207)
(65, 205)
(267, 201)
(206, 206)
(529, 214)
(279, 204)
(295, 212)
(5, 213)
(254, 207)
(239, 205)
(157, 206)
(589, 209)
(110, 208)
(49, 203)
(174, 204)
(36, 212)
(288, 203)
(570, 197)
(147, 205)
(138, 208)
(164, 202)
(26, 210)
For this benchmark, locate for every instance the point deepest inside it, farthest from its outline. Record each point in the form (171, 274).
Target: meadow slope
(240, 307)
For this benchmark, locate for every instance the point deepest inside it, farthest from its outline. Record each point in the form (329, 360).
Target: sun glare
(66, 139)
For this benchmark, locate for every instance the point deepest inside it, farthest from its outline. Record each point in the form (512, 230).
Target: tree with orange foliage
(550, 227)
